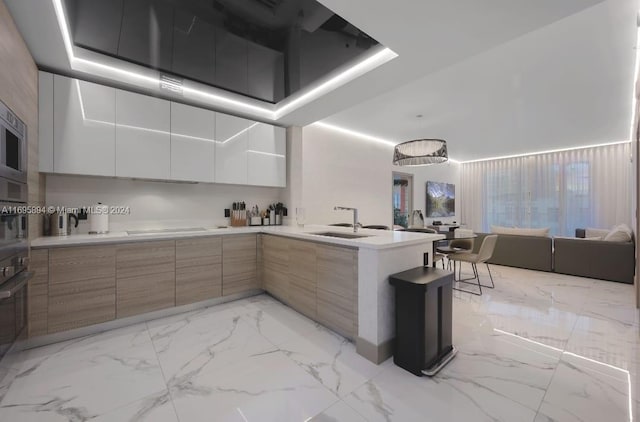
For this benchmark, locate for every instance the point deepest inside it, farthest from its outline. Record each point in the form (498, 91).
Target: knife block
(238, 218)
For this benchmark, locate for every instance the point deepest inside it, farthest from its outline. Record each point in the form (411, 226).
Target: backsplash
(155, 204)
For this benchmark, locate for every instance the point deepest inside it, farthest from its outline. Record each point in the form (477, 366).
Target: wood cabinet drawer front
(84, 286)
(146, 258)
(81, 263)
(78, 304)
(39, 264)
(337, 313)
(145, 293)
(241, 245)
(205, 260)
(197, 283)
(198, 251)
(276, 283)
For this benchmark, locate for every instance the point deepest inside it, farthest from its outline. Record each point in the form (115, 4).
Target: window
(562, 191)
(402, 198)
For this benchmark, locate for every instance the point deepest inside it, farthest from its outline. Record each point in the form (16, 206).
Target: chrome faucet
(355, 216)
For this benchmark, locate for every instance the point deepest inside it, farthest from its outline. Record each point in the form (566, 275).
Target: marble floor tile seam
(164, 377)
(555, 370)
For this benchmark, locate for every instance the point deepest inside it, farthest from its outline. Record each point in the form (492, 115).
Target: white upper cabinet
(266, 156)
(192, 143)
(143, 141)
(83, 127)
(91, 129)
(232, 140)
(45, 122)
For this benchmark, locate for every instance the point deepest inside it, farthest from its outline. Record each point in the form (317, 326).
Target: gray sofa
(613, 261)
(599, 259)
(530, 252)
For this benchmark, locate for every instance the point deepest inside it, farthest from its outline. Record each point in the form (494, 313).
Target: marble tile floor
(540, 347)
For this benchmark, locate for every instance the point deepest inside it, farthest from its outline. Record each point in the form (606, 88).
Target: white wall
(156, 204)
(345, 170)
(447, 173)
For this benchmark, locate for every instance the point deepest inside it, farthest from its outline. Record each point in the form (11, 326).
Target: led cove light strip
(363, 136)
(528, 154)
(282, 108)
(364, 66)
(624, 371)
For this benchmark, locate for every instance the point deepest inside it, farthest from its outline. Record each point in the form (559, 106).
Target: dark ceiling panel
(265, 49)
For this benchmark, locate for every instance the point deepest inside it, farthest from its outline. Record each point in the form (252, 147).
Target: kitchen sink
(166, 231)
(342, 235)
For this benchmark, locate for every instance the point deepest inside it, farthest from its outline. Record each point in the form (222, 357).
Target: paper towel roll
(99, 219)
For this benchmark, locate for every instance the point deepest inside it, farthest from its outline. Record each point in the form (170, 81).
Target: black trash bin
(424, 308)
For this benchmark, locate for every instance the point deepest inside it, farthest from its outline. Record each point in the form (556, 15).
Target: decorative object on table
(238, 214)
(417, 220)
(441, 200)
(420, 152)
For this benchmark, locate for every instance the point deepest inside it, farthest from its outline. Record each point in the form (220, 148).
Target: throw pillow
(618, 234)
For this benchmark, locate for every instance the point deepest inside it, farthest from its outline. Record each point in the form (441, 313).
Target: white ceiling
(566, 84)
(493, 77)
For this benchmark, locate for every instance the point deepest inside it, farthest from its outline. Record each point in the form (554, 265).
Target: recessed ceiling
(264, 49)
(431, 38)
(564, 85)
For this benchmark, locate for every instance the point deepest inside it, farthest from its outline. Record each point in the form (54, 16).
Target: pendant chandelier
(420, 152)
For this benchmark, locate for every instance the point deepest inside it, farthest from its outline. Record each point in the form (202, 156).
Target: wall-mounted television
(441, 199)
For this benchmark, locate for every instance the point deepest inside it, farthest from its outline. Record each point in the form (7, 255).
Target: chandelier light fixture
(420, 152)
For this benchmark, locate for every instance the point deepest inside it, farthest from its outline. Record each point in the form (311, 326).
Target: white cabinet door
(84, 127)
(231, 148)
(266, 156)
(45, 122)
(143, 141)
(192, 143)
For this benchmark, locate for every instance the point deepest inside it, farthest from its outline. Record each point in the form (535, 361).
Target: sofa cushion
(591, 232)
(518, 231)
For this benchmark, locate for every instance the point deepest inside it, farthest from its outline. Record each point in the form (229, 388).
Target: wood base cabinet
(38, 293)
(337, 289)
(79, 286)
(239, 264)
(303, 277)
(198, 269)
(275, 262)
(146, 279)
(317, 280)
(82, 287)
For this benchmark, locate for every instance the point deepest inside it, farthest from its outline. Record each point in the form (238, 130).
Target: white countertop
(376, 239)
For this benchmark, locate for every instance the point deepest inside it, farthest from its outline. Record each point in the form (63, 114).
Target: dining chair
(454, 246)
(484, 254)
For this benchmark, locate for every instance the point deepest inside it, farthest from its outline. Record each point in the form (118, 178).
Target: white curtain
(588, 187)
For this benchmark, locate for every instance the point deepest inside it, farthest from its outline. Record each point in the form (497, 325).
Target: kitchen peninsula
(88, 283)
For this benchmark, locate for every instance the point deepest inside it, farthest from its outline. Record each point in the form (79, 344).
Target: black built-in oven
(14, 246)
(13, 146)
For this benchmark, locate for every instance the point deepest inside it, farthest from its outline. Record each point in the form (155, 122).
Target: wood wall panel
(19, 91)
